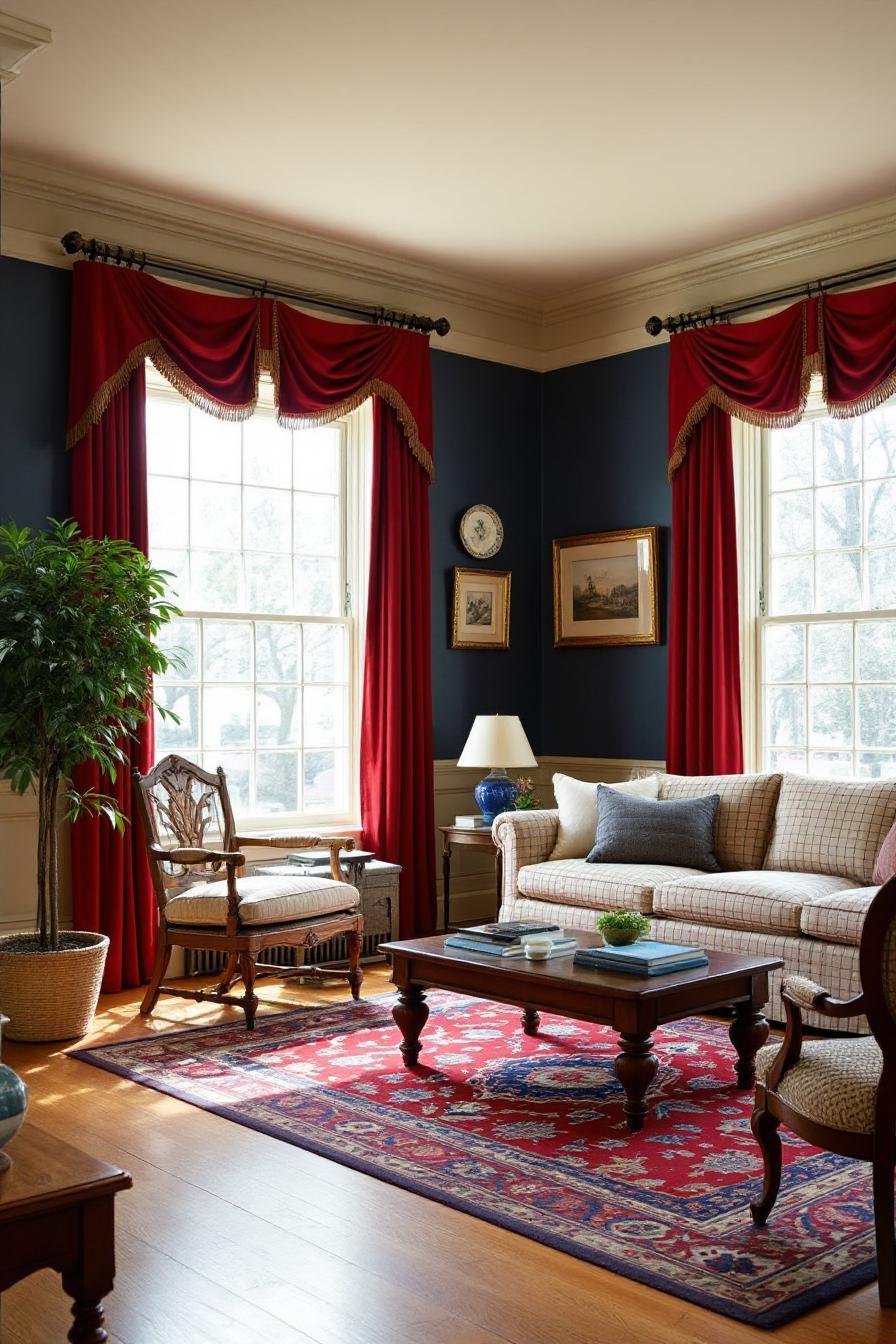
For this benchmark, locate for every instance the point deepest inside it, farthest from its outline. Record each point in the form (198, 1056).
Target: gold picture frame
(606, 588)
(481, 609)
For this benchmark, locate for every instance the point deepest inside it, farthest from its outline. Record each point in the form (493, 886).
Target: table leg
(91, 1279)
(636, 1068)
(530, 1020)
(446, 883)
(747, 1033)
(410, 1014)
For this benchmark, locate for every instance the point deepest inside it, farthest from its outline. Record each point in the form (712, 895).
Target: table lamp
(496, 741)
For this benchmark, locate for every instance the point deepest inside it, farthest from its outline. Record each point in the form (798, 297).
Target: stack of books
(475, 822)
(509, 940)
(642, 958)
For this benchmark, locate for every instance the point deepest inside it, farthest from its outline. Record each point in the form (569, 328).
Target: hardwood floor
(229, 1234)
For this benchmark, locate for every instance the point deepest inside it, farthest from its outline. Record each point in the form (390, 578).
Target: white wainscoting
(18, 863)
(472, 871)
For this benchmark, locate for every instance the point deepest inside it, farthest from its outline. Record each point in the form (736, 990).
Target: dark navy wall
(604, 467)
(34, 328)
(487, 442)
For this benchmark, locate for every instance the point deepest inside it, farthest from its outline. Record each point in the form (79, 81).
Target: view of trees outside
(248, 519)
(829, 640)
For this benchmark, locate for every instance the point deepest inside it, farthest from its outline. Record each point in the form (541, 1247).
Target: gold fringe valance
(811, 364)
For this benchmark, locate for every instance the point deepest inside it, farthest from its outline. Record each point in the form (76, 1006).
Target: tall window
(263, 531)
(825, 655)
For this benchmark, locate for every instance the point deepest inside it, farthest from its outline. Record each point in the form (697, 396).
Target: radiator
(379, 905)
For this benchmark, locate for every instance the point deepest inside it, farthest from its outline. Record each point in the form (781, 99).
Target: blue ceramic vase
(13, 1105)
(494, 794)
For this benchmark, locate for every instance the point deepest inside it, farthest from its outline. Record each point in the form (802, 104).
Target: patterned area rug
(528, 1133)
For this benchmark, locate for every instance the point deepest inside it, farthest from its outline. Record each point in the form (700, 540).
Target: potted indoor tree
(78, 620)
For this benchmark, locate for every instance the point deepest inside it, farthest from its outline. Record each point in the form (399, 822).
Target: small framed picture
(606, 588)
(481, 617)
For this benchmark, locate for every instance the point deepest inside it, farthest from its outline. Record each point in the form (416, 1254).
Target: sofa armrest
(522, 838)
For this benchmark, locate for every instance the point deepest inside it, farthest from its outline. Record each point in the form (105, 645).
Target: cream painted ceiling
(541, 144)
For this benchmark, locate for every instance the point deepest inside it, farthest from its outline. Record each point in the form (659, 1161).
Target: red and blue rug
(528, 1133)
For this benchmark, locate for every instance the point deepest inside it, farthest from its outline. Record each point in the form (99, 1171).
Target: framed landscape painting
(606, 588)
(481, 618)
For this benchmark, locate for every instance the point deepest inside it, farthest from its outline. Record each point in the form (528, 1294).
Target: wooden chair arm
(334, 843)
(810, 995)
(799, 992)
(186, 857)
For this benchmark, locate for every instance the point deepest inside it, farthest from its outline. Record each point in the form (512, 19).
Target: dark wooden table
(480, 838)
(57, 1212)
(632, 1005)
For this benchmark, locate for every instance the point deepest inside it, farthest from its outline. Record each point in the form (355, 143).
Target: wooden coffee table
(56, 1211)
(632, 1005)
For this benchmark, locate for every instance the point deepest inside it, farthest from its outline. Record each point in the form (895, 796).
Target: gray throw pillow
(639, 830)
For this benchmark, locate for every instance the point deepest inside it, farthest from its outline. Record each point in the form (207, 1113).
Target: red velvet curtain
(704, 734)
(111, 888)
(396, 728)
(760, 372)
(212, 348)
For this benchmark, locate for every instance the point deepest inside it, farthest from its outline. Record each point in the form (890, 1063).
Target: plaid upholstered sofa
(798, 859)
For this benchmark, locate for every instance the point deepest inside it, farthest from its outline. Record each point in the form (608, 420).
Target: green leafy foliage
(79, 618)
(623, 926)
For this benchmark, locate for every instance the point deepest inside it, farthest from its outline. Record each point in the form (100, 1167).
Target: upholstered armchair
(206, 900)
(840, 1094)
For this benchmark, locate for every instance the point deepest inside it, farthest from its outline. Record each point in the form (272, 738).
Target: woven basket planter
(51, 996)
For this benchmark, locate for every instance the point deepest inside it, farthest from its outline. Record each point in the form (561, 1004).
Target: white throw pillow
(577, 804)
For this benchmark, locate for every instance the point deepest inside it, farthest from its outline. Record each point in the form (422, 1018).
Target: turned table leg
(636, 1068)
(747, 1033)
(410, 1014)
(530, 1020)
(90, 1278)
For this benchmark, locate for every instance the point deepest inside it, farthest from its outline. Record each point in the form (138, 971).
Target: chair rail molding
(488, 320)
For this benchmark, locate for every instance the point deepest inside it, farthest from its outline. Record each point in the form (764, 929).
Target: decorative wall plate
(481, 532)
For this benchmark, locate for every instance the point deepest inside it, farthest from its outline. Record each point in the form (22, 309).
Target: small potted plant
(620, 927)
(525, 799)
(78, 617)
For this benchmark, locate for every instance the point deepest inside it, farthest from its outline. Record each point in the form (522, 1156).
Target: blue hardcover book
(646, 953)
(486, 948)
(624, 968)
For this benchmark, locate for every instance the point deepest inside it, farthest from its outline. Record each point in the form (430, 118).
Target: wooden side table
(481, 838)
(56, 1212)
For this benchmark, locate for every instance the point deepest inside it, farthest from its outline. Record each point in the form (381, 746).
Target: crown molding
(43, 201)
(19, 40)
(488, 321)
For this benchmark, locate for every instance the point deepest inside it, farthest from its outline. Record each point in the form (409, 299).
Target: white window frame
(750, 446)
(356, 432)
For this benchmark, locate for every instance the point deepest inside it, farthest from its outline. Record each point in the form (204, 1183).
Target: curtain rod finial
(653, 326)
(72, 242)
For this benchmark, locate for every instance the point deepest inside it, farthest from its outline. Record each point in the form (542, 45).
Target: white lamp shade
(497, 740)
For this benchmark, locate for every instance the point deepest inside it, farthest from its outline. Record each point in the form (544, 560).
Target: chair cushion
(597, 886)
(761, 901)
(745, 814)
(831, 826)
(263, 900)
(834, 1083)
(577, 808)
(838, 918)
(639, 830)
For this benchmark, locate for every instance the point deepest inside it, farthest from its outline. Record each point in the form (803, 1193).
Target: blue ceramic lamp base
(494, 794)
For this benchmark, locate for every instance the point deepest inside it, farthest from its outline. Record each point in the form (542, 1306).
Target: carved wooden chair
(206, 901)
(840, 1094)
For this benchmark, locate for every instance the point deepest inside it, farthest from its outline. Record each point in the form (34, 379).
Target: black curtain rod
(129, 257)
(708, 317)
